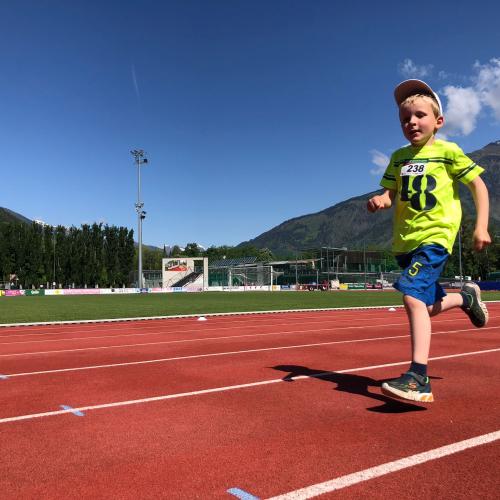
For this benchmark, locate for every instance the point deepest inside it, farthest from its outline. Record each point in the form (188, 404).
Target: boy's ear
(439, 122)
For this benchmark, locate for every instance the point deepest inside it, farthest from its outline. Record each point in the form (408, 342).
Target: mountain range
(10, 216)
(349, 224)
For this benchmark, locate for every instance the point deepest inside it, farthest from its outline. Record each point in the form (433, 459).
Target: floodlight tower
(138, 154)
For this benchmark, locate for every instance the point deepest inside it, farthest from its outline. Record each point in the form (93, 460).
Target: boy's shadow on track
(354, 384)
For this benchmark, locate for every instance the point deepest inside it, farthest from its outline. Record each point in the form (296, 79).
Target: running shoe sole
(478, 312)
(421, 397)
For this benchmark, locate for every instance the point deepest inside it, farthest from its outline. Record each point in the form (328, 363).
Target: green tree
(87, 257)
(151, 258)
(61, 269)
(96, 254)
(111, 255)
(474, 264)
(5, 252)
(217, 253)
(264, 255)
(18, 248)
(176, 251)
(48, 255)
(126, 252)
(75, 257)
(192, 250)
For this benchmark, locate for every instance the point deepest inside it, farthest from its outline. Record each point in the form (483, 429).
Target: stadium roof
(241, 261)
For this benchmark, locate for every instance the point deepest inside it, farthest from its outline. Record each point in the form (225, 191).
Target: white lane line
(215, 315)
(227, 388)
(328, 316)
(122, 346)
(164, 327)
(183, 316)
(198, 356)
(170, 332)
(171, 326)
(383, 469)
(119, 346)
(195, 330)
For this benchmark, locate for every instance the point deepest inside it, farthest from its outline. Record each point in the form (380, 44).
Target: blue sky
(251, 112)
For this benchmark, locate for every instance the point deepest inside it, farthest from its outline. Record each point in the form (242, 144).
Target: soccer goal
(241, 277)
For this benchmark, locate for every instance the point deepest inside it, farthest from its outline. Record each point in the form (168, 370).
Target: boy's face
(419, 123)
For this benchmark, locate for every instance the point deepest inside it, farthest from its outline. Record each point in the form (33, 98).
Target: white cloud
(410, 70)
(461, 111)
(465, 103)
(380, 160)
(487, 85)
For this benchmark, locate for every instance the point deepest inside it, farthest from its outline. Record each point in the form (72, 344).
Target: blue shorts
(421, 271)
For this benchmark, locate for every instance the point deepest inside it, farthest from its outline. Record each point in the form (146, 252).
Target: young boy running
(421, 181)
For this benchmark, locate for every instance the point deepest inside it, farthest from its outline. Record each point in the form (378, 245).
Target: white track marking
(169, 332)
(121, 346)
(145, 325)
(172, 321)
(163, 328)
(194, 330)
(197, 356)
(222, 389)
(387, 468)
(187, 316)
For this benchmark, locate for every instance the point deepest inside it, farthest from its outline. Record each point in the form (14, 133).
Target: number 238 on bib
(414, 189)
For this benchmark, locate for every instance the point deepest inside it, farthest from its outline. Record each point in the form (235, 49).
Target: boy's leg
(422, 294)
(420, 329)
(450, 301)
(469, 299)
(414, 384)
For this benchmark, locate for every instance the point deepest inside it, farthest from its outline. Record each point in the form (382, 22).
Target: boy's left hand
(481, 239)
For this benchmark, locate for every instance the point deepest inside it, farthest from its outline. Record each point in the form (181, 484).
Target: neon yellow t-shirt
(427, 207)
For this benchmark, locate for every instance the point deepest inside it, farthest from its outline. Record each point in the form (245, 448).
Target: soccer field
(85, 307)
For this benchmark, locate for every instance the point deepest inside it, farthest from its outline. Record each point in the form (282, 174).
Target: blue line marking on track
(75, 412)
(3, 377)
(241, 494)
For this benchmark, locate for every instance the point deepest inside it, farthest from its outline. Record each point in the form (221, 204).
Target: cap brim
(412, 87)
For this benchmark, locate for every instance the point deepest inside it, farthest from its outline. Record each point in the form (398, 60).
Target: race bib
(413, 169)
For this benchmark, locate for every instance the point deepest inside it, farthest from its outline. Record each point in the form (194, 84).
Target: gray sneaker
(410, 386)
(473, 306)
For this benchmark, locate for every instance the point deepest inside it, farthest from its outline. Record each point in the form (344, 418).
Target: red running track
(247, 406)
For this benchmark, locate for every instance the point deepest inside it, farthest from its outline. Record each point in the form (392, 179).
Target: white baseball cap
(412, 87)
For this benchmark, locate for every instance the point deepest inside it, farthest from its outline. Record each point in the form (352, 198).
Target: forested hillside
(348, 223)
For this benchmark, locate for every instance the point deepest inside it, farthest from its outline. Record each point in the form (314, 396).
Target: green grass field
(87, 307)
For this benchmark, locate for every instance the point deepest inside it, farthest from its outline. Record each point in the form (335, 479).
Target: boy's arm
(381, 201)
(481, 200)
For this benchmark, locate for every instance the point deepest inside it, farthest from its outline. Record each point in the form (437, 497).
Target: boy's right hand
(375, 203)
(481, 239)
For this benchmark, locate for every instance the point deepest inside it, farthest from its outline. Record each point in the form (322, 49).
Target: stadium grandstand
(325, 268)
